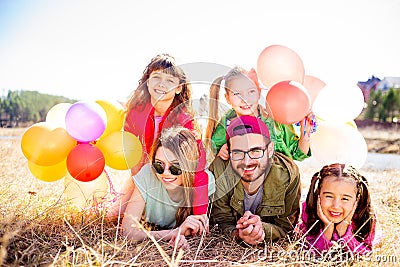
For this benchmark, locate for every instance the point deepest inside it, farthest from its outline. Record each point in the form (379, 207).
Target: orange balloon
(278, 63)
(288, 102)
(313, 86)
(48, 173)
(122, 150)
(85, 162)
(45, 145)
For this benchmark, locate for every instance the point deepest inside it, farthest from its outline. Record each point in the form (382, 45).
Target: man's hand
(250, 229)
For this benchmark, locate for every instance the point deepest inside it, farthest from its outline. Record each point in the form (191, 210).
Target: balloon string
(112, 189)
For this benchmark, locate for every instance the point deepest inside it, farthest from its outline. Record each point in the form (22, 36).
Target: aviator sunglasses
(173, 169)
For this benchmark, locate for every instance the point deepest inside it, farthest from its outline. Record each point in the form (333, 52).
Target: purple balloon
(85, 121)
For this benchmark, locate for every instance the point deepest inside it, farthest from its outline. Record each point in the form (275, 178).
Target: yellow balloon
(45, 145)
(115, 116)
(122, 150)
(352, 124)
(85, 194)
(48, 173)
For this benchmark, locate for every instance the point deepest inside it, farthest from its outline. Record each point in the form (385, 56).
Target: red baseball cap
(245, 125)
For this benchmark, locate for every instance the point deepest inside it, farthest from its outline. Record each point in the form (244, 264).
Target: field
(37, 228)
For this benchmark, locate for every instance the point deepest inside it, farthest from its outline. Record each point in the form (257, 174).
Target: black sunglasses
(173, 169)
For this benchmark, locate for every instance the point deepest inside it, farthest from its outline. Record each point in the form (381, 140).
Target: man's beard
(260, 171)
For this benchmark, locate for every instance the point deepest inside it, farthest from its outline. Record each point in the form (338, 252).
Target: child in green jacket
(242, 92)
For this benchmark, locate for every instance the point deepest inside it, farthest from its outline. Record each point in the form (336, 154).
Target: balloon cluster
(291, 95)
(78, 140)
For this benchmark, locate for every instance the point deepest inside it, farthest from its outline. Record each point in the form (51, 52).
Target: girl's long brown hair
(183, 144)
(165, 63)
(364, 216)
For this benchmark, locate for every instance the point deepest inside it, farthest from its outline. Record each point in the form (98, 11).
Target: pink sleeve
(318, 242)
(200, 183)
(356, 246)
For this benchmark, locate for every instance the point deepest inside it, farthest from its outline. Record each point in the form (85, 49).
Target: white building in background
(388, 82)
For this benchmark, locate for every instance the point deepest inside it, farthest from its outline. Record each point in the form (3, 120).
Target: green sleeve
(222, 213)
(286, 222)
(287, 142)
(219, 137)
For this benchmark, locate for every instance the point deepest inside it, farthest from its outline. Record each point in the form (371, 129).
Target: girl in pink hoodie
(338, 209)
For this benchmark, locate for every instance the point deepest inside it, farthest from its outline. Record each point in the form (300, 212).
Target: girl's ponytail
(312, 202)
(213, 114)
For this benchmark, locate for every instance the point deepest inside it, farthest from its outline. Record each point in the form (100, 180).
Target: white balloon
(338, 104)
(56, 115)
(338, 143)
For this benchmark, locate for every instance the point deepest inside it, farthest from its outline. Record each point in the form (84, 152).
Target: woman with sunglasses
(164, 191)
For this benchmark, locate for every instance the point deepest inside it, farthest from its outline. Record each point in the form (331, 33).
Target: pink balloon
(278, 63)
(288, 102)
(313, 86)
(85, 121)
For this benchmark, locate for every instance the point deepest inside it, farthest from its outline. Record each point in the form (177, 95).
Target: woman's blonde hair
(182, 143)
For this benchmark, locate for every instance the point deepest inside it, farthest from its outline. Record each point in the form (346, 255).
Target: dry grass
(38, 229)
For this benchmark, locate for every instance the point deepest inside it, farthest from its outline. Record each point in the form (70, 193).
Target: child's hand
(307, 126)
(321, 214)
(329, 226)
(223, 152)
(341, 227)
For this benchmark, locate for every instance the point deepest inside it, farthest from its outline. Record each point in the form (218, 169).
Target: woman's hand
(341, 227)
(178, 240)
(223, 152)
(195, 225)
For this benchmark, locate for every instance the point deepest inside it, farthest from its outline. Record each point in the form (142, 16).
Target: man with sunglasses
(258, 191)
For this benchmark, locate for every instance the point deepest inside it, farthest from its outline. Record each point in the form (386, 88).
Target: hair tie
(222, 84)
(318, 179)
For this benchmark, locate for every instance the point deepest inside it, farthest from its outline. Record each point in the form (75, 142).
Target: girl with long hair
(162, 100)
(338, 207)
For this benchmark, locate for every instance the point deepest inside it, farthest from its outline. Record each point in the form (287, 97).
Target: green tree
(391, 104)
(27, 107)
(373, 105)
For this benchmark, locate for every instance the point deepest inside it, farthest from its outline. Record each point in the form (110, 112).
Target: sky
(94, 49)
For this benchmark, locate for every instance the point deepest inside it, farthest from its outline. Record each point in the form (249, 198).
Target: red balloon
(288, 102)
(278, 63)
(85, 162)
(313, 86)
